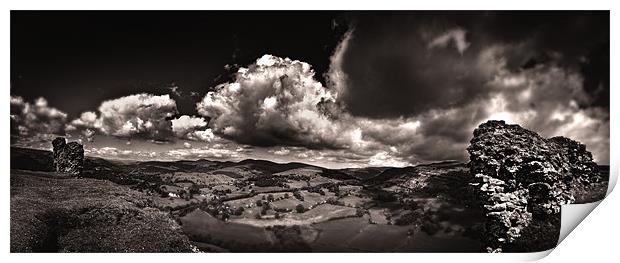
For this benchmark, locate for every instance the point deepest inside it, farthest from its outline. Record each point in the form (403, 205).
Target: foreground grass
(55, 214)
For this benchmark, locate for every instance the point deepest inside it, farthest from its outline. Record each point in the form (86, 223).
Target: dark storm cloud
(399, 65)
(450, 71)
(404, 64)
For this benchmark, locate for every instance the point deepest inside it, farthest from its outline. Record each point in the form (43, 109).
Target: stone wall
(519, 176)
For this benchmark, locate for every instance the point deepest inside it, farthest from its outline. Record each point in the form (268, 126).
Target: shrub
(360, 212)
(300, 208)
(385, 196)
(332, 201)
(297, 194)
(194, 189)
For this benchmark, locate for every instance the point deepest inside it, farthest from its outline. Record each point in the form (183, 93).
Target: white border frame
(587, 242)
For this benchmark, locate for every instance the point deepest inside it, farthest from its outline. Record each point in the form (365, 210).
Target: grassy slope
(51, 213)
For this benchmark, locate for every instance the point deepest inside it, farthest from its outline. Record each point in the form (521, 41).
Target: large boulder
(520, 176)
(68, 157)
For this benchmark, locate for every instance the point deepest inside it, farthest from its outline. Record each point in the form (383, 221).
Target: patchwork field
(250, 206)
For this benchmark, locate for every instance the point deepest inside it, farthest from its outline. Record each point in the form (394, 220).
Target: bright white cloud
(37, 118)
(275, 101)
(545, 99)
(192, 128)
(141, 115)
(386, 159)
(281, 151)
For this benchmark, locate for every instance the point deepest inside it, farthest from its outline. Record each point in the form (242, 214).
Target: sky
(335, 89)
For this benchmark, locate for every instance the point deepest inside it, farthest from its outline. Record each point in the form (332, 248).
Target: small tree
(225, 216)
(264, 210)
(270, 198)
(300, 208)
(332, 201)
(194, 190)
(183, 194)
(298, 195)
(360, 212)
(239, 211)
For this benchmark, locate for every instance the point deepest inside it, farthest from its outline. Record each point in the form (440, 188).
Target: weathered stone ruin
(68, 157)
(520, 176)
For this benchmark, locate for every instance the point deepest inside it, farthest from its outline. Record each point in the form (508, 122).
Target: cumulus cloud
(275, 101)
(144, 116)
(34, 119)
(86, 125)
(141, 115)
(192, 128)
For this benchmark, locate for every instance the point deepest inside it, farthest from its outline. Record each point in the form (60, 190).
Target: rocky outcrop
(68, 157)
(520, 176)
